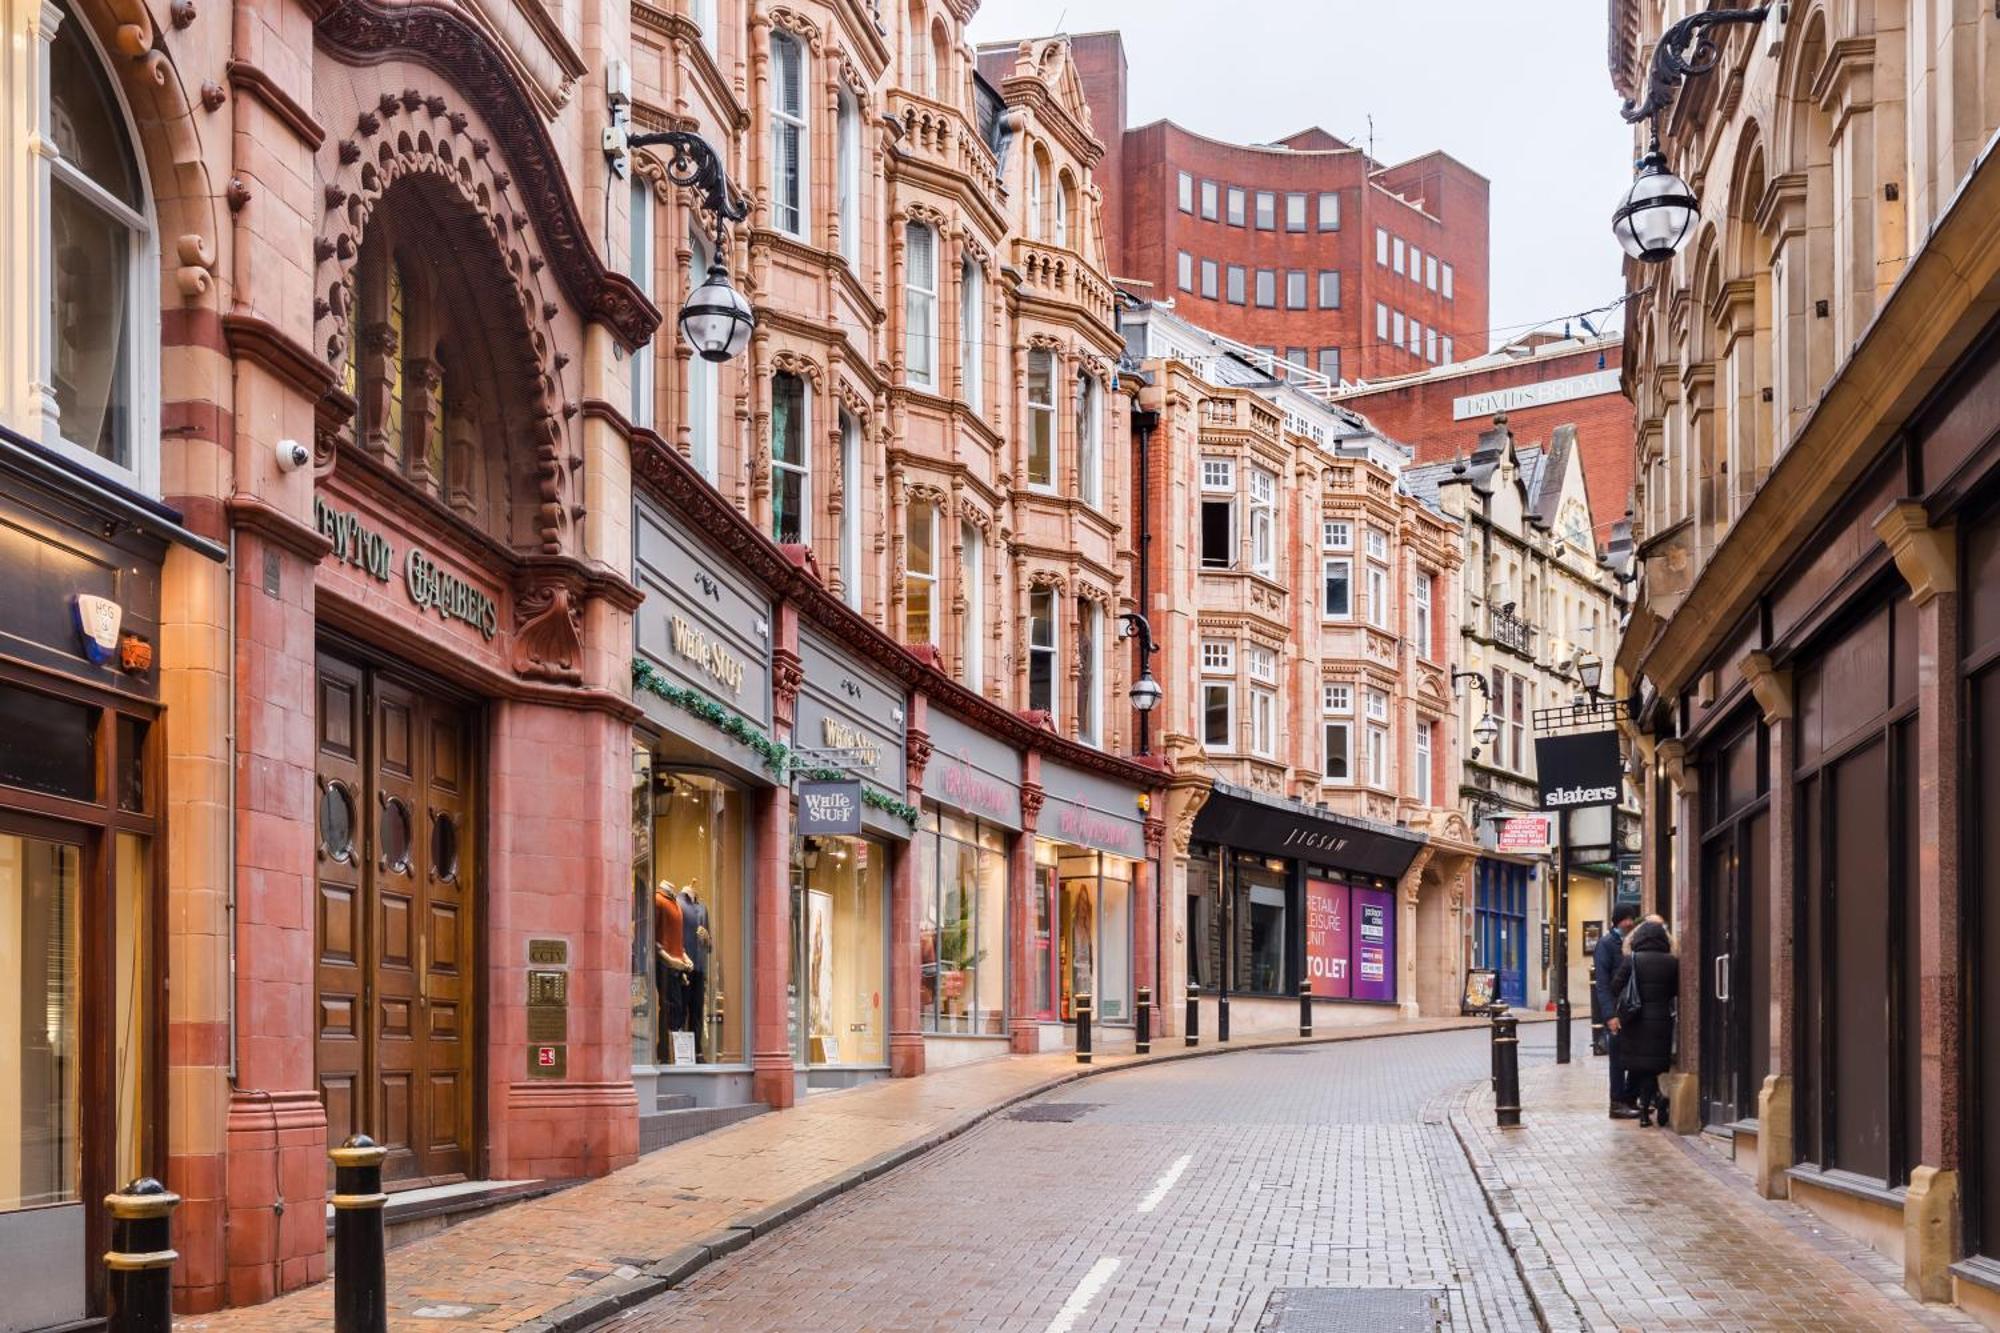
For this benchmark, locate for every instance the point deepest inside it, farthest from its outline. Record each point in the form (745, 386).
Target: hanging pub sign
(830, 809)
(1579, 770)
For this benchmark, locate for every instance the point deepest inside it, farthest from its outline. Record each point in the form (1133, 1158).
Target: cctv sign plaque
(1579, 771)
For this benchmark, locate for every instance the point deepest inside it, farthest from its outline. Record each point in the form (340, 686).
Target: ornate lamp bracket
(1673, 60)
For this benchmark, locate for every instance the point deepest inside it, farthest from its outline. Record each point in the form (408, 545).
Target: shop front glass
(40, 887)
(961, 887)
(690, 835)
(1093, 931)
(839, 951)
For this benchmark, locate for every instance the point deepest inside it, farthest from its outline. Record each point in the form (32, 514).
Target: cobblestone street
(1176, 1197)
(1188, 1196)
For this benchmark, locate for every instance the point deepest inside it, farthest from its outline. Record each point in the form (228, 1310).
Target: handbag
(1630, 1002)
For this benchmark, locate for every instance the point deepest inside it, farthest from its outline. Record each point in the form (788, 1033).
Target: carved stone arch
(1088, 591)
(971, 513)
(924, 492)
(1044, 342)
(917, 211)
(850, 77)
(792, 21)
(647, 166)
(1047, 578)
(798, 363)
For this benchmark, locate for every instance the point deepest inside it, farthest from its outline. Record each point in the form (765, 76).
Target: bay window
(791, 478)
(1089, 460)
(920, 284)
(1421, 629)
(972, 631)
(1263, 723)
(1042, 651)
(1218, 714)
(972, 334)
(1263, 522)
(920, 558)
(1424, 730)
(703, 397)
(1089, 671)
(847, 162)
(1218, 513)
(790, 147)
(1378, 756)
(639, 266)
(1041, 418)
(850, 509)
(1337, 588)
(1337, 732)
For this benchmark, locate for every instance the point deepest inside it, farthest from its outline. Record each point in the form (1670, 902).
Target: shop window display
(688, 859)
(961, 883)
(1094, 933)
(839, 955)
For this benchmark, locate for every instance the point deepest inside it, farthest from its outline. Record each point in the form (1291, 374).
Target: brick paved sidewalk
(569, 1259)
(1617, 1227)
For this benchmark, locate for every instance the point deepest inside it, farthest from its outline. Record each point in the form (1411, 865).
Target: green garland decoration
(775, 755)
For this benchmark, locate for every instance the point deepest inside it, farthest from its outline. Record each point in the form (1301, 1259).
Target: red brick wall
(1418, 413)
(1434, 202)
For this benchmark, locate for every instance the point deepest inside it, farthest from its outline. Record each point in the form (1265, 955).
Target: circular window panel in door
(395, 835)
(444, 845)
(336, 822)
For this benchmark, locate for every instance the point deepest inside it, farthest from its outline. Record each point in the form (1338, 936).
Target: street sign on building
(1524, 835)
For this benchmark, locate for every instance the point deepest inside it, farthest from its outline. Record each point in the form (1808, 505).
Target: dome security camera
(292, 455)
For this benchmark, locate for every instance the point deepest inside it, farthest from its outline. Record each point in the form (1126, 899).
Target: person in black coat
(1647, 1045)
(1604, 961)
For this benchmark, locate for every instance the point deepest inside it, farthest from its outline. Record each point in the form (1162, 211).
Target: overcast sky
(1516, 89)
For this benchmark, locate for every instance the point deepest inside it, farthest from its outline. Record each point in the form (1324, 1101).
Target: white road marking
(1152, 1201)
(1086, 1292)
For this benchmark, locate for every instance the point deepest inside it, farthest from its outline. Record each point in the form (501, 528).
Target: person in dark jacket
(1648, 1044)
(1604, 960)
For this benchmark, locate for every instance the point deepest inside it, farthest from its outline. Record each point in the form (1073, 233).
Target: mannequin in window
(694, 927)
(671, 965)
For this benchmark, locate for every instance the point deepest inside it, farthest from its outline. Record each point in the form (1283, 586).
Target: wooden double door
(396, 901)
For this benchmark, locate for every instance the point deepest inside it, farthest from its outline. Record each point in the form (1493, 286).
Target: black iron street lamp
(1488, 729)
(717, 319)
(1145, 693)
(1658, 212)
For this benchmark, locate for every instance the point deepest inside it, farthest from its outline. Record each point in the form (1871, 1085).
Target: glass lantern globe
(1145, 693)
(1486, 732)
(1658, 212)
(717, 319)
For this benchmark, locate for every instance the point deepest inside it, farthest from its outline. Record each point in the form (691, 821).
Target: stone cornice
(254, 338)
(1781, 212)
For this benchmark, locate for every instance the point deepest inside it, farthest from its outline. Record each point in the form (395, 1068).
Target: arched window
(940, 72)
(1064, 187)
(1038, 188)
(103, 272)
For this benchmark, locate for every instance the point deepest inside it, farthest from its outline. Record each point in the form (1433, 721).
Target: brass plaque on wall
(548, 953)
(548, 989)
(548, 1023)
(548, 1061)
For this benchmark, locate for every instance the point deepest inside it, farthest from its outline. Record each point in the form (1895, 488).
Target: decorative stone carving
(548, 641)
(196, 274)
(1771, 686)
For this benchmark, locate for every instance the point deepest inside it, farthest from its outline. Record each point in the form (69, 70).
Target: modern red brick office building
(1307, 246)
(1540, 384)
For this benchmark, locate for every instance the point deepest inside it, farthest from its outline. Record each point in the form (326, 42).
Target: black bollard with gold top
(360, 1270)
(1143, 1041)
(140, 1263)
(1305, 1008)
(1082, 1004)
(1193, 1014)
(1507, 1063)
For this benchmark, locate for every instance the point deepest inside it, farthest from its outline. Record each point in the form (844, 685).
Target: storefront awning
(1251, 821)
(42, 466)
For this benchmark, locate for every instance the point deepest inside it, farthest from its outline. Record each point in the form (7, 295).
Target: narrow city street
(1195, 1195)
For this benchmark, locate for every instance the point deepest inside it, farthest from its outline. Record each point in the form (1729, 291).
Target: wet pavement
(1177, 1197)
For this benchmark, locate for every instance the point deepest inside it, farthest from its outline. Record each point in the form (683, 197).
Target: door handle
(1722, 977)
(424, 968)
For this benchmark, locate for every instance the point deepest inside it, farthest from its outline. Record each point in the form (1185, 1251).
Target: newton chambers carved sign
(431, 586)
